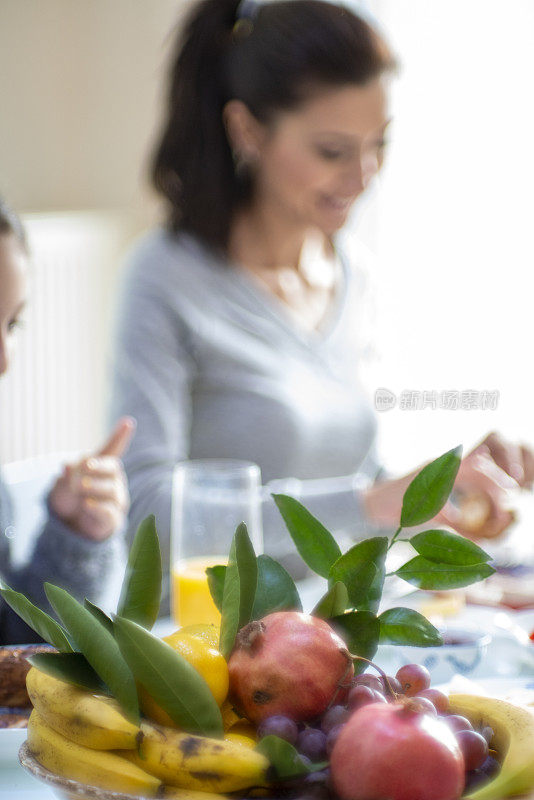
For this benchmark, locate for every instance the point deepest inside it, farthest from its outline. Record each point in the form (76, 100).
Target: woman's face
(313, 162)
(13, 287)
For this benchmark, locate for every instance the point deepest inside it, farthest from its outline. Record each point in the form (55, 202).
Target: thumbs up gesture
(92, 496)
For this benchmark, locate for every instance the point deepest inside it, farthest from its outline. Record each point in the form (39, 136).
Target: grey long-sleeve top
(213, 366)
(60, 556)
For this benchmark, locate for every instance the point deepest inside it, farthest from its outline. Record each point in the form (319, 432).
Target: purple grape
(331, 739)
(474, 748)
(319, 778)
(359, 696)
(311, 742)
(334, 716)
(316, 784)
(490, 767)
(278, 725)
(474, 780)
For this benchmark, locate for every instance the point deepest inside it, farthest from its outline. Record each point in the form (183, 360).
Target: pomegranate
(394, 751)
(288, 663)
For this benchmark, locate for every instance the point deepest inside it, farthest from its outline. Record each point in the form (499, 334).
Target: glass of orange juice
(210, 498)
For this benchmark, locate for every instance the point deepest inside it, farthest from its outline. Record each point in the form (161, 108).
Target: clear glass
(210, 498)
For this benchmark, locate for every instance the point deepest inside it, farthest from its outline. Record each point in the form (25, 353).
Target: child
(79, 547)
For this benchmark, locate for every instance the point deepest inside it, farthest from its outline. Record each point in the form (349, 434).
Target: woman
(239, 330)
(79, 547)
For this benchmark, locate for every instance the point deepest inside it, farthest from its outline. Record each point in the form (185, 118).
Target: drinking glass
(210, 498)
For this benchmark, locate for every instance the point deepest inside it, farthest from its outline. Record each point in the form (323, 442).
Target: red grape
(413, 678)
(425, 705)
(372, 681)
(360, 696)
(458, 723)
(440, 700)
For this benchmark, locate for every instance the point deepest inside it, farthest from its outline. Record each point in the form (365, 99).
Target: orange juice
(191, 598)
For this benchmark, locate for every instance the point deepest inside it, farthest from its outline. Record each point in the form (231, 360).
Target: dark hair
(10, 224)
(268, 61)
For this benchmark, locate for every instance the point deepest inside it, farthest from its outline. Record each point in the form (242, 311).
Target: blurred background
(81, 85)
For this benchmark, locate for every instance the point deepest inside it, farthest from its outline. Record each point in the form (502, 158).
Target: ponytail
(193, 166)
(266, 59)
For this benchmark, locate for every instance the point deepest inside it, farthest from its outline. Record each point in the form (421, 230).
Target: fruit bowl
(65, 787)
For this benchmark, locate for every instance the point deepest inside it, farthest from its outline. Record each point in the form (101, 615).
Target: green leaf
(360, 630)
(276, 590)
(240, 584)
(333, 603)
(141, 589)
(445, 547)
(98, 646)
(286, 761)
(358, 569)
(428, 575)
(170, 680)
(69, 667)
(216, 577)
(316, 545)
(428, 492)
(42, 623)
(99, 615)
(406, 626)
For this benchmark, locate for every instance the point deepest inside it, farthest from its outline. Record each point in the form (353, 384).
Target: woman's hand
(517, 460)
(486, 477)
(92, 496)
(482, 480)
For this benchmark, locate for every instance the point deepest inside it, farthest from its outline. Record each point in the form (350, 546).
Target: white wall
(80, 83)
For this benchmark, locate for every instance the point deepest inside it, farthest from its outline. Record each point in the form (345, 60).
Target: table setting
(385, 614)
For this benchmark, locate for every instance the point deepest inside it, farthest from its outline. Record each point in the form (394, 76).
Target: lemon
(210, 633)
(241, 739)
(207, 661)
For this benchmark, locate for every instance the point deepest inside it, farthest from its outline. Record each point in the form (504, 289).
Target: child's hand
(92, 496)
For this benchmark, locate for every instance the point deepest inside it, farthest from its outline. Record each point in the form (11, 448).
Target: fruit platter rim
(88, 792)
(67, 785)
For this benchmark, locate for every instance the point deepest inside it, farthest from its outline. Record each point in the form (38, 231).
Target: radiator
(53, 397)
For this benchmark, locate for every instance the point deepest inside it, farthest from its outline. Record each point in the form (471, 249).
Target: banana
(198, 762)
(87, 719)
(513, 740)
(94, 767)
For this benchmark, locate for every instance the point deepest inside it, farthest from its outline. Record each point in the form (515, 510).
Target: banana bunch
(95, 767)
(87, 719)
(87, 738)
(198, 762)
(513, 740)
